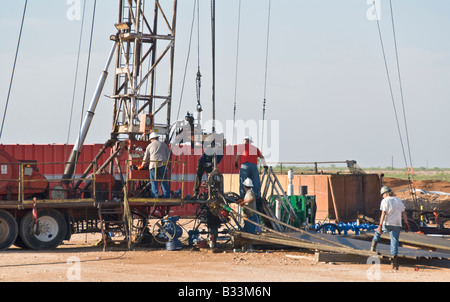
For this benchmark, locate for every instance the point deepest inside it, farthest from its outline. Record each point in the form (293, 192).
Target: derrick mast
(145, 48)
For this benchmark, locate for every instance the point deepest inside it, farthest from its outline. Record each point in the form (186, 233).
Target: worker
(248, 155)
(250, 202)
(392, 213)
(205, 164)
(157, 153)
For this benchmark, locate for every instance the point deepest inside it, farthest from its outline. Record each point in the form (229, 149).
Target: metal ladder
(269, 180)
(112, 221)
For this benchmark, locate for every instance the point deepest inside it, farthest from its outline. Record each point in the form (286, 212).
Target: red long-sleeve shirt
(248, 153)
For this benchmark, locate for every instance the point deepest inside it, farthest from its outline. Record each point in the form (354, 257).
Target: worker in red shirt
(248, 155)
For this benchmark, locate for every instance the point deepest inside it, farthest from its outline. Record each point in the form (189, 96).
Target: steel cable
(400, 83)
(410, 181)
(14, 67)
(390, 83)
(76, 76)
(265, 75)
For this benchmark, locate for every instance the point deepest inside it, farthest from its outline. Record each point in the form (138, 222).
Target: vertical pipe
(116, 78)
(153, 58)
(172, 55)
(70, 166)
(290, 185)
(278, 208)
(213, 36)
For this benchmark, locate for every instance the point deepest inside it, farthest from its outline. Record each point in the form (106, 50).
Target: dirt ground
(80, 260)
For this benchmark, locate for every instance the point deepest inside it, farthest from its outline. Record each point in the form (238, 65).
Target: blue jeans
(250, 227)
(251, 171)
(161, 173)
(394, 232)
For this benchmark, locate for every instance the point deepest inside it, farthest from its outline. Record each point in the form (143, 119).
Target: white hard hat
(248, 182)
(153, 135)
(385, 189)
(249, 138)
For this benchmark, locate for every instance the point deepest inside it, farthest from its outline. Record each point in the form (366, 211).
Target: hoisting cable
(14, 67)
(88, 62)
(196, 4)
(236, 67)
(392, 95)
(233, 137)
(213, 48)
(199, 74)
(195, 8)
(389, 82)
(86, 79)
(76, 76)
(410, 174)
(265, 75)
(400, 82)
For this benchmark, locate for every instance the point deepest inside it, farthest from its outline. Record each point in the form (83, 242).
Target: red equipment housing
(33, 182)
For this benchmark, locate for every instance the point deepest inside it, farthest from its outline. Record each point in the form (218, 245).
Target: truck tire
(8, 230)
(49, 232)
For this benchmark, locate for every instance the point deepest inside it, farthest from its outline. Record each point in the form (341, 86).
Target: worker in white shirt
(157, 153)
(392, 214)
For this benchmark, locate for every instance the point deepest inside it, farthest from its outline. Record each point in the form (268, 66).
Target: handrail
(20, 184)
(165, 164)
(315, 163)
(21, 181)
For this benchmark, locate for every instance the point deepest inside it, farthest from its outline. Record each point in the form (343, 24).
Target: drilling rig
(112, 195)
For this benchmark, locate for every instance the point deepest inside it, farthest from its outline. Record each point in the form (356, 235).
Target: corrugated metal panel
(56, 154)
(51, 162)
(352, 193)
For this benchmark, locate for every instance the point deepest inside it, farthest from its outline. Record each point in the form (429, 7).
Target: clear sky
(327, 89)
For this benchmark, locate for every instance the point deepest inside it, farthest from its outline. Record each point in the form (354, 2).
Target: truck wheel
(8, 230)
(47, 234)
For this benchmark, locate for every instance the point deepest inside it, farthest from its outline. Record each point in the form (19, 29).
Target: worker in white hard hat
(248, 155)
(392, 214)
(157, 153)
(250, 202)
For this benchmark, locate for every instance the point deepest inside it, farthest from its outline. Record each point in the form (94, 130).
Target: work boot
(395, 263)
(373, 248)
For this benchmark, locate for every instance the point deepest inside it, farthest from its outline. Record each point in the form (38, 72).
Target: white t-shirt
(250, 194)
(393, 207)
